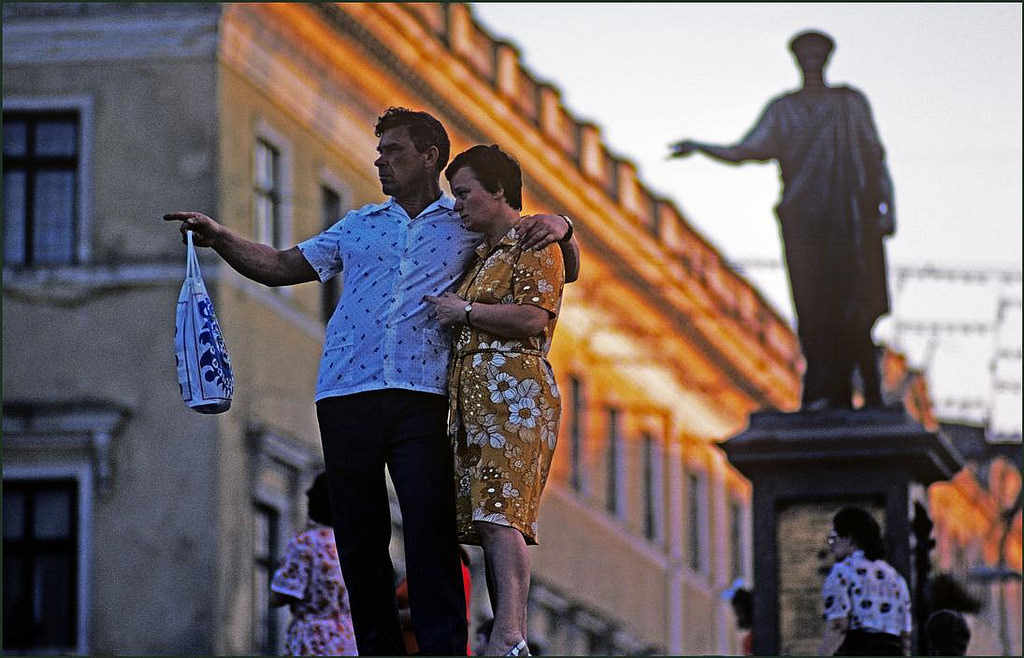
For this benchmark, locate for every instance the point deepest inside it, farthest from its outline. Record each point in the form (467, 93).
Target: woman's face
(477, 207)
(841, 547)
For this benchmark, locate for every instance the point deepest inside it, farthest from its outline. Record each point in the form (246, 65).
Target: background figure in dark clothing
(948, 633)
(742, 602)
(836, 208)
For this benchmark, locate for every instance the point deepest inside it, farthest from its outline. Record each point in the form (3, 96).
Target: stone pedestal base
(804, 467)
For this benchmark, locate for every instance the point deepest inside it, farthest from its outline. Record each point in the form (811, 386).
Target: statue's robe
(836, 207)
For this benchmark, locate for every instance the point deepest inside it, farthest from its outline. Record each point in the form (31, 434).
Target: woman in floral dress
(504, 404)
(309, 581)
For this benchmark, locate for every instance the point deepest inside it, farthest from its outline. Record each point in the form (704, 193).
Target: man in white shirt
(381, 385)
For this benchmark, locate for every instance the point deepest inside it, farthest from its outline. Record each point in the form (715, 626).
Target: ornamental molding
(55, 430)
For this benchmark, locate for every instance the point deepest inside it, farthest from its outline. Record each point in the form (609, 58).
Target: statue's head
(812, 49)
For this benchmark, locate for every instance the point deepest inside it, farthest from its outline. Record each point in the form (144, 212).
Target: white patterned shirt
(381, 335)
(870, 593)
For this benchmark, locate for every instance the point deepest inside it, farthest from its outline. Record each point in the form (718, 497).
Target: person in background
(309, 582)
(866, 601)
(947, 633)
(405, 616)
(504, 403)
(742, 602)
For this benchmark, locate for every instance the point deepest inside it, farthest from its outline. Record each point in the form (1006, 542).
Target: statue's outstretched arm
(731, 154)
(759, 144)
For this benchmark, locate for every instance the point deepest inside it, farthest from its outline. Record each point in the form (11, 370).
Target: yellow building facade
(262, 116)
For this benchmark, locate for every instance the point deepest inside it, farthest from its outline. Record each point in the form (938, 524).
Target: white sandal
(520, 649)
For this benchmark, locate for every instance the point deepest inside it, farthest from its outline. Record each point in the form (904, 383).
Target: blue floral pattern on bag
(214, 361)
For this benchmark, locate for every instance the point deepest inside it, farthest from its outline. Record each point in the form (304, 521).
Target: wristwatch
(568, 234)
(468, 309)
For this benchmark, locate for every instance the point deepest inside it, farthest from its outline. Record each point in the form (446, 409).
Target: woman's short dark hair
(424, 131)
(495, 170)
(319, 500)
(858, 524)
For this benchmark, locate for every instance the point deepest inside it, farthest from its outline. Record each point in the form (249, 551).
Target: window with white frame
(697, 521)
(40, 565)
(652, 487)
(266, 549)
(284, 467)
(268, 215)
(616, 463)
(577, 424)
(41, 180)
(56, 459)
(736, 551)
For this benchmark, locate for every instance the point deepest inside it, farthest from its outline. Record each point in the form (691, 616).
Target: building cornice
(105, 32)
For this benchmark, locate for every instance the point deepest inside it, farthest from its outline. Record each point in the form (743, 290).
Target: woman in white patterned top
(866, 601)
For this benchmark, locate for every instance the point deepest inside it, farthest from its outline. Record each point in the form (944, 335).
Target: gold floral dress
(504, 404)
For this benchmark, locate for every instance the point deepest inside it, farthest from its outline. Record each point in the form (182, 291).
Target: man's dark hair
(424, 130)
(319, 500)
(495, 170)
(858, 524)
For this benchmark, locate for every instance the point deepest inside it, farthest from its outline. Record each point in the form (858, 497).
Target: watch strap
(568, 234)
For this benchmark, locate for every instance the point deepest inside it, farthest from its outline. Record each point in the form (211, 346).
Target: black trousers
(407, 432)
(865, 643)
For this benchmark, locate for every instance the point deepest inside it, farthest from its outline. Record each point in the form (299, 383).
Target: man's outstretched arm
(253, 260)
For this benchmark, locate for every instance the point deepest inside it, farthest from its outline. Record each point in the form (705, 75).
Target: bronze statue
(836, 208)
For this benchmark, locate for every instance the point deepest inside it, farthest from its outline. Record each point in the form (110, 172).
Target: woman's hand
(449, 307)
(835, 634)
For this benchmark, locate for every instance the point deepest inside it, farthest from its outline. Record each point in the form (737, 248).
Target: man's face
(400, 167)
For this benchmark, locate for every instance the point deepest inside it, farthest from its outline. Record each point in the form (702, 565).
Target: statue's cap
(811, 38)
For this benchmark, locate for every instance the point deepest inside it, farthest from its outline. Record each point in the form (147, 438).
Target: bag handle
(192, 260)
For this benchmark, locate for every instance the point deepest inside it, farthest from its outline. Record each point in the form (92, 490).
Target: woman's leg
(508, 572)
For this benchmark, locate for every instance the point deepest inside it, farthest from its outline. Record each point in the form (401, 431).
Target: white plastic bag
(204, 368)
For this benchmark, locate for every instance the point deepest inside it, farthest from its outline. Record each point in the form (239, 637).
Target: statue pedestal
(804, 467)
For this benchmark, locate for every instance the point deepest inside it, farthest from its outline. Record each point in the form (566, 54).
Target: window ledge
(84, 427)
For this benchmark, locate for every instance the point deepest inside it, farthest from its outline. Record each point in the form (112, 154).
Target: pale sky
(943, 80)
